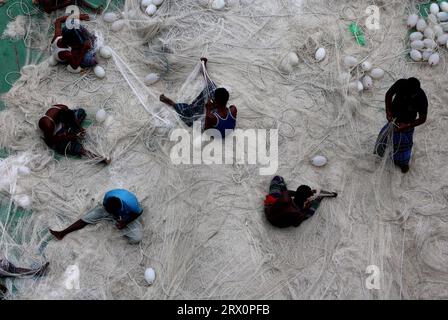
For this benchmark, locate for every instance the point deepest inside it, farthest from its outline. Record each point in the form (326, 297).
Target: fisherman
(404, 101)
(63, 132)
(74, 46)
(213, 102)
(8, 270)
(119, 205)
(52, 5)
(285, 208)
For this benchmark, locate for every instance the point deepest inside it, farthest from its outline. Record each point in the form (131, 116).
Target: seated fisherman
(404, 101)
(63, 132)
(213, 102)
(8, 270)
(52, 5)
(284, 208)
(119, 205)
(75, 46)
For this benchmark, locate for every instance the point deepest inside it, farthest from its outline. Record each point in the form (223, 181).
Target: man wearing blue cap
(119, 205)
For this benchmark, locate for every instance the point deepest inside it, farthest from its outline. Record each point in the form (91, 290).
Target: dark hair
(413, 85)
(71, 37)
(66, 116)
(302, 194)
(221, 96)
(113, 205)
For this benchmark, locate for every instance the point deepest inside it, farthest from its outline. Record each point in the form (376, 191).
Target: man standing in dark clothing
(406, 108)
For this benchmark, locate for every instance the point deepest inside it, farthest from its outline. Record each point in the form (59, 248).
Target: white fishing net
(204, 228)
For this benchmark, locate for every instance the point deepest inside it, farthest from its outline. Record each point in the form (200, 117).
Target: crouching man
(120, 206)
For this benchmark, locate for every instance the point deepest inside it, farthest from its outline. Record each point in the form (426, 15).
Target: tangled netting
(204, 229)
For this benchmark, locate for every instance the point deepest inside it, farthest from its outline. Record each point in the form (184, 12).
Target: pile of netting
(204, 228)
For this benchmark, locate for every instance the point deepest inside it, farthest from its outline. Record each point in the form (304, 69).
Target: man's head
(71, 37)
(36, 2)
(302, 194)
(409, 88)
(221, 96)
(113, 205)
(65, 115)
(413, 86)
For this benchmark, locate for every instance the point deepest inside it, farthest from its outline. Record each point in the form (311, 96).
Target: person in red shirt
(285, 208)
(73, 46)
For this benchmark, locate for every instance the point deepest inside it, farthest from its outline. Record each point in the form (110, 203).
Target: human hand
(84, 16)
(209, 104)
(120, 224)
(82, 133)
(389, 117)
(402, 127)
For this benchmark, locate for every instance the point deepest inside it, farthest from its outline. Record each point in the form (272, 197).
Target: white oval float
(416, 55)
(151, 10)
(434, 59)
(218, 4)
(150, 276)
(293, 59)
(350, 61)
(110, 17)
(426, 54)
(417, 44)
(442, 16)
(105, 52)
(444, 6)
(366, 66)
(146, 3)
(416, 36)
(442, 39)
(434, 8)
(429, 33)
(377, 73)
(319, 161)
(152, 78)
(320, 54)
(101, 115)
(99, 72)
(367, 83)
(157, 2)
(412, 20)
(421, 25)
(117, 25)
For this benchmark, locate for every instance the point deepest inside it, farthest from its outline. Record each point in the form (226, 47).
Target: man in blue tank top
(217, 115)
(119, 205)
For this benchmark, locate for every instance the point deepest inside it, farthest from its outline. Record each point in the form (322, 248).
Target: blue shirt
(129, 202)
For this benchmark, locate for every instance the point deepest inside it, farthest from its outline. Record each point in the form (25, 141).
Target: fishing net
(204, 229)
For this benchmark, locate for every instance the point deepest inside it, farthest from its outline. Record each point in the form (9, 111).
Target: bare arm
(389, 96)
(210, 119)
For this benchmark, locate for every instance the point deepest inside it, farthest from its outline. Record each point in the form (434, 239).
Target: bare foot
(42, 270)
(163, 98)
(58, 235)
